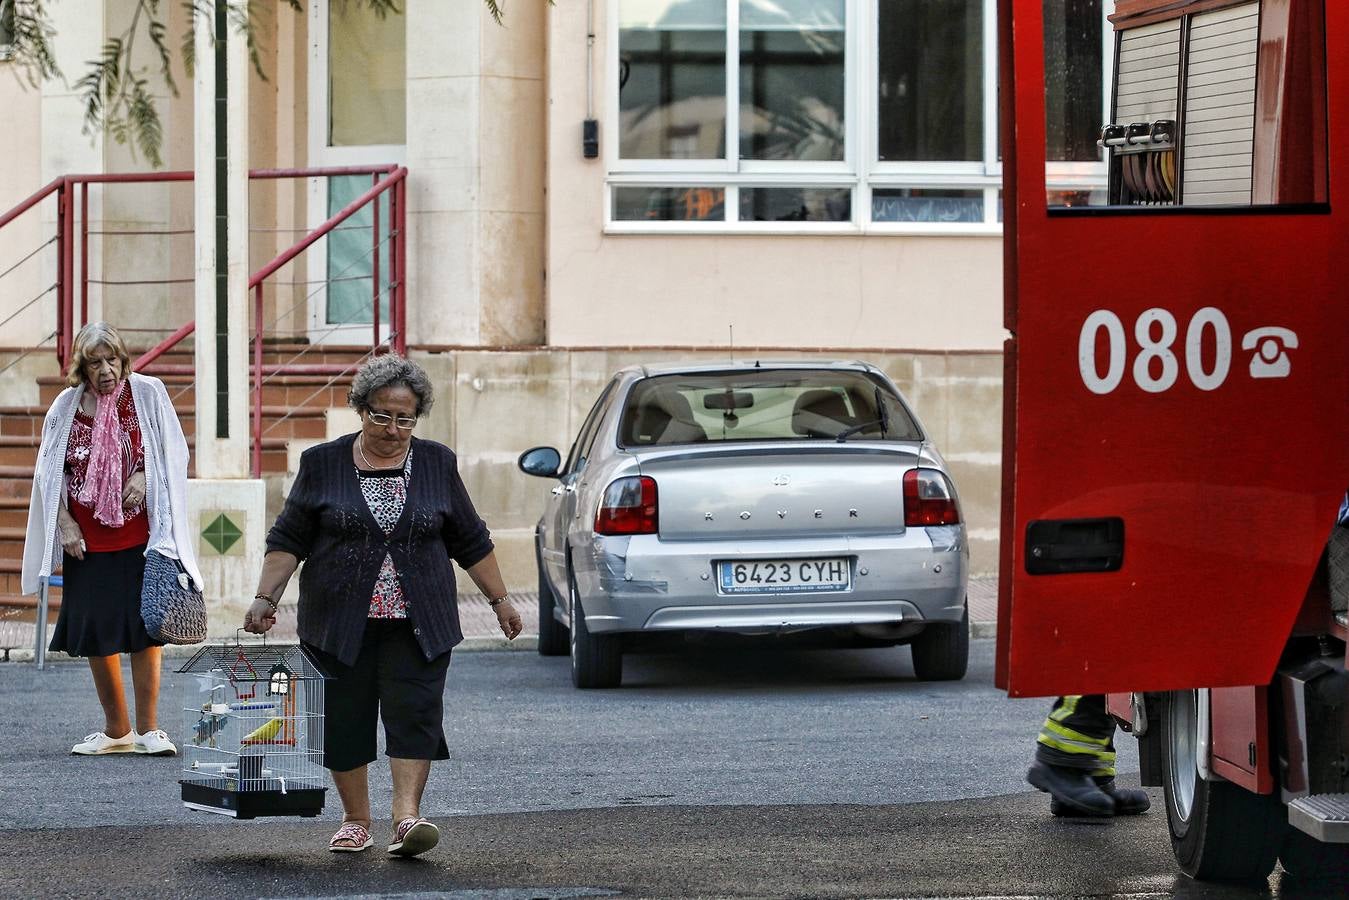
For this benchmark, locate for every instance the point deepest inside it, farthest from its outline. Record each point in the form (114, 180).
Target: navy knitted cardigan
(327, 525)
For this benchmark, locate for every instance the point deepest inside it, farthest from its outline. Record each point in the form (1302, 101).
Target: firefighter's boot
(1074, 789)
(1128, 801)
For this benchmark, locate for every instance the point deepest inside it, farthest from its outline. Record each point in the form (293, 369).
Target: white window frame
(322, 155)
(859, 169)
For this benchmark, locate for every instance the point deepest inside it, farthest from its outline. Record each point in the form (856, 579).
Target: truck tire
(596, 659)
(1310, 863)
(941, 651)
(553, 639)
(1219, 831)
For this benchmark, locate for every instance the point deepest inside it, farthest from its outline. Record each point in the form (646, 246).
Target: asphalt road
(745, 771)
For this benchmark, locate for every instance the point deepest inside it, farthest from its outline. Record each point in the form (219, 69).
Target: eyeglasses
(405, 423)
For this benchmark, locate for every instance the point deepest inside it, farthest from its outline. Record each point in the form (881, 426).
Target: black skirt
(101, 605)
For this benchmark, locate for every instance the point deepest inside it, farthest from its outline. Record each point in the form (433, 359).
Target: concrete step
(13, 512)
(18, 455)
(16, 482)
(272, 354)
(18, 451)
(10, 583)
(290, 391)
(21, 602)
(277, 421)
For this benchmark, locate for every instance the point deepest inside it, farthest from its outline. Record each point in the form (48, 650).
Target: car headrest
(667, 418)
(817, 409)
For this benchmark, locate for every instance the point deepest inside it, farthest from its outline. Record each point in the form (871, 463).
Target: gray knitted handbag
(173, 609)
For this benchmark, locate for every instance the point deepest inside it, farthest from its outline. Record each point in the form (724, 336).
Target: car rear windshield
(768, 405)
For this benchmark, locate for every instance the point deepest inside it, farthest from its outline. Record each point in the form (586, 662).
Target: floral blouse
(136, 529)
(385, 494)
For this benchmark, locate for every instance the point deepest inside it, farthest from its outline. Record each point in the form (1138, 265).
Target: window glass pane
(930, 62)
(367, 76)
(1073, 79)
(351, 255)
(795, 204)
(672, 79)
(926, 205)
(791, 79)
(769, 405)
(669, 204)
(6, 27)
(1060, 197)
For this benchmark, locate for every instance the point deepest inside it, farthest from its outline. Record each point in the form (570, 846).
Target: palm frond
(117, 97)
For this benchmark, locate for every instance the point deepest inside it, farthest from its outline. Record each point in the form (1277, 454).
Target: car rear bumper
(645, 584)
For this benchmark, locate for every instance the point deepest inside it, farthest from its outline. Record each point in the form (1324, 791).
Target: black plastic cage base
(306, 802)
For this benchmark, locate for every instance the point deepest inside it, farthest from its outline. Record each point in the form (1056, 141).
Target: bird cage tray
(253, 731)
(307, 802)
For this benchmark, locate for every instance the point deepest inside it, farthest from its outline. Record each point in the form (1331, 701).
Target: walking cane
(40, 646)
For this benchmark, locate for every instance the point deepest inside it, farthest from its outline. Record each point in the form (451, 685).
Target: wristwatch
(498, 601)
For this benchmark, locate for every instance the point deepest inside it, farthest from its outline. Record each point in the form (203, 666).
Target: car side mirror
(541, 461)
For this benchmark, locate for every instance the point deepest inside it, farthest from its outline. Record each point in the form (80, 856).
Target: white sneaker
(155, 743)
(99, 743)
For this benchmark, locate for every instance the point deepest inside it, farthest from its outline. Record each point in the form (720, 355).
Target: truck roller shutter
(1220, 106)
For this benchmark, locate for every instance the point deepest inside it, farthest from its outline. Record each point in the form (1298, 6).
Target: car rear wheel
(553, 639)
(941, 651)
(1219, 831)
(596, 659)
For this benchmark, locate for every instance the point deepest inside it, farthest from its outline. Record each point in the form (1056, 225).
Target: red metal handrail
(34, 200)
(395, 181)
(388, 179)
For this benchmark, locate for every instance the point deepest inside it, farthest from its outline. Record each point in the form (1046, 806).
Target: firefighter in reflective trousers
(1075, 761)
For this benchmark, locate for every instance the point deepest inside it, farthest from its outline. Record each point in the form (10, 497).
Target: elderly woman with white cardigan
(111, 483)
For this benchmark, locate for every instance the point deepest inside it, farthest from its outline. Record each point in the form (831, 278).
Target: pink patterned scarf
(102, 490)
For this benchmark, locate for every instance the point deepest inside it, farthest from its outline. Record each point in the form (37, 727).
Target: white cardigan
(165, 481)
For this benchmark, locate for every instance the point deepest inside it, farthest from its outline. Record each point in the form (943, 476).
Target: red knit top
(100, 538)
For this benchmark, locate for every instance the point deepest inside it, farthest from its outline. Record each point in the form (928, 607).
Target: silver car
(753, 499)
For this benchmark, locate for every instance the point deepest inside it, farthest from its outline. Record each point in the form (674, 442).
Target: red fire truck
(1176, 417)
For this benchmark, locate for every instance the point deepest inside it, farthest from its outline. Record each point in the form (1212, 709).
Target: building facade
(594, 183)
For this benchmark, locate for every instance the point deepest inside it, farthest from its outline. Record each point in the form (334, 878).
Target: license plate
(773, 576)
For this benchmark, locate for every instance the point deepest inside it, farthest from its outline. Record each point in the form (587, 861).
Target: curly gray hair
(386, 370)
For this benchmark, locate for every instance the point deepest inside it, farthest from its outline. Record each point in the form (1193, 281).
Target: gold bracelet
(498, 601)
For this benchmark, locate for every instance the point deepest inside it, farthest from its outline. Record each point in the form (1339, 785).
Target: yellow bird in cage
(264, 733)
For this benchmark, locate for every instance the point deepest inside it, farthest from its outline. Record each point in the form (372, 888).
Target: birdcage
(253, 731)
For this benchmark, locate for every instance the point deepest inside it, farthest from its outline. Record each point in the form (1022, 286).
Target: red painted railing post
(393, 266)
(401, 292)
(68, 265)
(257, 380)
(61, 251)
(84, 253)
(374, 272)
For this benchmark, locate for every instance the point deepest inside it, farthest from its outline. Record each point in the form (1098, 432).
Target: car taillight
(928, 499)
(629, 507)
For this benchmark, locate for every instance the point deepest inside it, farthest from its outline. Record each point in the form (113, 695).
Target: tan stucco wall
(838, 291)
(930, 293)
(23, 236)
(50, 117)
(476, 163)
(492, 405)
(497, 178)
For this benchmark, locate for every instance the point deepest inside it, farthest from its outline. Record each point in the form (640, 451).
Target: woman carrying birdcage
(377, 517)
(110, 487)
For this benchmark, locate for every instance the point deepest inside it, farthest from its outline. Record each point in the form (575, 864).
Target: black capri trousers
(391, 680)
